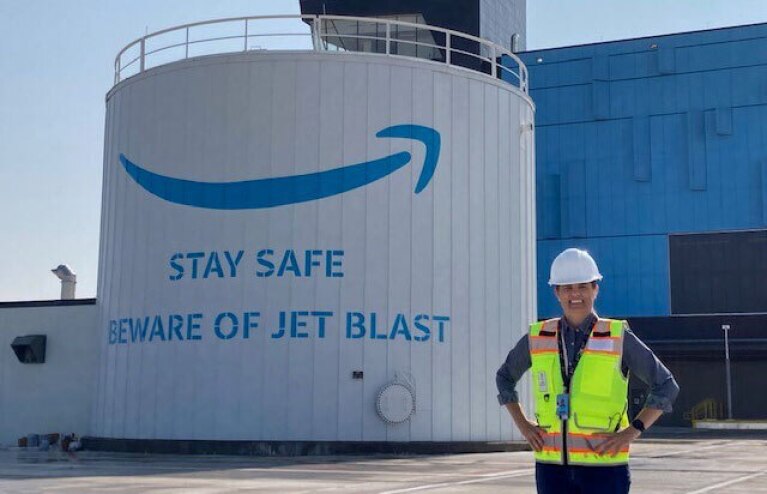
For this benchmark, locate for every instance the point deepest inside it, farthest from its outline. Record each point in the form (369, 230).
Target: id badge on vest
(563, 406)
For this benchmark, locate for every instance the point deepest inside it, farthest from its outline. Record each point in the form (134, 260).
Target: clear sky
(56, 66)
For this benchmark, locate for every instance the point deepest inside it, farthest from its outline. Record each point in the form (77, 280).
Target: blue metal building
(642, 141)
(652, 155)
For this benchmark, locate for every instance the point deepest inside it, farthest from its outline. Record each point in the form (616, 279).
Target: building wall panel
(55, 396)
(681, 151)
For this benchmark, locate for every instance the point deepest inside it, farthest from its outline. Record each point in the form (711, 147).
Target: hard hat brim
(575, 281)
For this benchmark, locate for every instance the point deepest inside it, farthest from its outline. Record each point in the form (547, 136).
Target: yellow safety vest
(598, 394)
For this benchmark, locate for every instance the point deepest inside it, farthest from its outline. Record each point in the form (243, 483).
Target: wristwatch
(638, 425)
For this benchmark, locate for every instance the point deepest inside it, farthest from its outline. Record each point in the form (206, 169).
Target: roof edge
(640, 38)
(47, 303)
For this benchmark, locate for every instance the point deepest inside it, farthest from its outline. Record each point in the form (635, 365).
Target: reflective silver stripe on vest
(601, 339)
(602, 326)
(585, 443)
(602, 344)
(543, 343)
(551, 325)
(552, 441)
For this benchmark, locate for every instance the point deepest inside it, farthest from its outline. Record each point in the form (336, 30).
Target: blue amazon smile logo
(279, 191)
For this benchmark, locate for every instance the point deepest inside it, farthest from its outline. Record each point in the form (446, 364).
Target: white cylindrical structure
(262, 279)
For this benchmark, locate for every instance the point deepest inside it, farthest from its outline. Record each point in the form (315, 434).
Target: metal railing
(325, 33)
(708, 409)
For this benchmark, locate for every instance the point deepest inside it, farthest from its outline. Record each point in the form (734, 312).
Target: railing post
(388, 38)
(448, 47)
(143, 51)
(316, 38)
(186, 44)
(117, 70)
(493, 66)
(523, 73)
(245, 48)
(521, 77)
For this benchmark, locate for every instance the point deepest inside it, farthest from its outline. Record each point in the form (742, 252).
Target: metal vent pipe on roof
(68, 281)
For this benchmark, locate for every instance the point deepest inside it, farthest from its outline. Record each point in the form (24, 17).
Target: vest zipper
(564, 442)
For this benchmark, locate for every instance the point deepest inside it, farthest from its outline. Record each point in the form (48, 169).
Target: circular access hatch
(395, 403)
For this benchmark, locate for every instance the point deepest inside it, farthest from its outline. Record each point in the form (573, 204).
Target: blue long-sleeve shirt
(637, 358)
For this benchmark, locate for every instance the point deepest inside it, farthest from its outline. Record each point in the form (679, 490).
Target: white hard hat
(574, 266)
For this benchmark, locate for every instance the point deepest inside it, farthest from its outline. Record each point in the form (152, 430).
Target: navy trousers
(559, 479)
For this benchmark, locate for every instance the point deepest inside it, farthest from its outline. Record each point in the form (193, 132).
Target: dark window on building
(718, 272)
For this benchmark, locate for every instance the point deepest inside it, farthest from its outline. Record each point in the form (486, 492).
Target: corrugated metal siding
(641, 138)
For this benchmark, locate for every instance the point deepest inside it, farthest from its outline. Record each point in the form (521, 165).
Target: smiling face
(577, 300)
